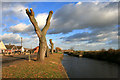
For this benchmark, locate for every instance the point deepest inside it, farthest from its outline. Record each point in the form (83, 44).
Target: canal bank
(110, 55)
(89, 68)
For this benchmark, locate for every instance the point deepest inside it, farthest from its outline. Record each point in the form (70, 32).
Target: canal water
(89, 68)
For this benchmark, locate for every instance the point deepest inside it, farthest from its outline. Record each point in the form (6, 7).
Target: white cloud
(95, 44)
(10, 38)
(17, 10)
(114, 0)
(79, 3)
(16, 40)
(22, 28)
(41, 19)
(96, 2)
(13, 38)
(86, 15)
(26, 29)
(19, 27)
(100, 18)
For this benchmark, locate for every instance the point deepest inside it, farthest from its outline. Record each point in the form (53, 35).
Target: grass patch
(51, 68)
(59, 52)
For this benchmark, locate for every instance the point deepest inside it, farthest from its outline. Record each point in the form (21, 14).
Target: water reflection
(89, 68)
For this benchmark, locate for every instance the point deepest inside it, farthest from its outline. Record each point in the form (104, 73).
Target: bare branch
(33, 21)
(46, 27)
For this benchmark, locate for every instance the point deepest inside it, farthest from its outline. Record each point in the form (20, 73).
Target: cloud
(108, 38)
(14, 9)
(19, 28)
(114, 0)
(13, 13)
(85, 15)
(29, 29)
(79, 3)
(12, 38)
(41, 19)
(16, 39)
(92, 40)
(7, 38)
(99, 18)
(79, 16)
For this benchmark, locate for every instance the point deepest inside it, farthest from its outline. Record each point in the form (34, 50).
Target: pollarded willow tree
(51, 45)
(40, 33)
(47, 52)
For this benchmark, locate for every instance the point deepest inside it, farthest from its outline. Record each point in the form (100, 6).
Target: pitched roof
(26, 48)
(10, 46)
(36, 47)
(2, 46)
(19, 47)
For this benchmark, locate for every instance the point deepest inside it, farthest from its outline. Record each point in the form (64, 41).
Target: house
(2, 47)
(26, 49)
(20, 48)
(10, 48)
(35, 50)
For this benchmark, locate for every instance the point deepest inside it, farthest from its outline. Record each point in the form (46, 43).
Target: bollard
(29, 56)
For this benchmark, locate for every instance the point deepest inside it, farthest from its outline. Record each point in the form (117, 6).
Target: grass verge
(50, 68)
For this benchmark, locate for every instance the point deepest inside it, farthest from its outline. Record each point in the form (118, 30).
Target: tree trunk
(42, 49)
(52, 50)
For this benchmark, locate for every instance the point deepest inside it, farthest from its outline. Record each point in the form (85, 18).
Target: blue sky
(82, 25)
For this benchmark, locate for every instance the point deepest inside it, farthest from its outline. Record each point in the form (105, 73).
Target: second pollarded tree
(51, 45)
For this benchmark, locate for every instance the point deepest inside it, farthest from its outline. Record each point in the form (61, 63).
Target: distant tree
(118, 51)
(103, 50)
(111, 51)
(40, 33)
(51, 45)
(58, 49)
(72, 48)
(47, 52)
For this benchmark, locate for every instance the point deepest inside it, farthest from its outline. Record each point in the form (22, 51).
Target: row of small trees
(108, 55)
(43, 47)
(111, 55)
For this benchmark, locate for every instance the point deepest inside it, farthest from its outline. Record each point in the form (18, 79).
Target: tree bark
(51, 45)
(47, 52)
(40, 33)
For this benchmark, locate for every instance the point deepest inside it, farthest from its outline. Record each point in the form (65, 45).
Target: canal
(89, 68)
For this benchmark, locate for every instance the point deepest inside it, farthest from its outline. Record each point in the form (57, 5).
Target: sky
(78, 25)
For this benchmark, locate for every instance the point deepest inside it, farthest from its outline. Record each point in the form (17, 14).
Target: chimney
(21, 41)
